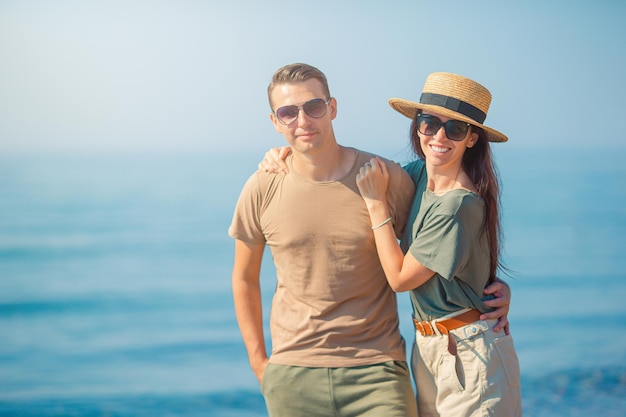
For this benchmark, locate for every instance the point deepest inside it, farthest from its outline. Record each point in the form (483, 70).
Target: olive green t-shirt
(448, 239)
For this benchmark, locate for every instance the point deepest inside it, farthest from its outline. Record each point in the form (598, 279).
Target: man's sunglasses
(315, 108)
(429, 125)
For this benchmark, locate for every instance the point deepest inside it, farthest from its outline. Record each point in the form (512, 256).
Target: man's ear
(275, 122)
(333, 108)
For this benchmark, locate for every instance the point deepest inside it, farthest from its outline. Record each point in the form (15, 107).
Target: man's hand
(259, 368)
(501, 303)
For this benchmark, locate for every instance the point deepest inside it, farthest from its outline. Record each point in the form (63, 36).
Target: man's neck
(330, 165)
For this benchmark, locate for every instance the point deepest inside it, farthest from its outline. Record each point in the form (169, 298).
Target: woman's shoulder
(460, 202)
(417, 171)
(415, 166)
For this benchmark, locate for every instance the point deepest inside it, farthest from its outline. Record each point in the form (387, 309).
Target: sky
(191, 76)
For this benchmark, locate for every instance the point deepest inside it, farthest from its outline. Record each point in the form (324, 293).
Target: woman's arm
(403, 272)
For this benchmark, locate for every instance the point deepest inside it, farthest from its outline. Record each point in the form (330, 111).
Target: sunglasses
(429, 125)
(315, 108)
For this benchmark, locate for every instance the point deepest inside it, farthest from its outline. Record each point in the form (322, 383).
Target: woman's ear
(472, 140)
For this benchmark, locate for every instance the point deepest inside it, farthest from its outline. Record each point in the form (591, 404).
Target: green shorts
(382, 389)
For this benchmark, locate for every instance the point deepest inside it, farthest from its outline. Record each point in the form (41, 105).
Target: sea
(115, 295)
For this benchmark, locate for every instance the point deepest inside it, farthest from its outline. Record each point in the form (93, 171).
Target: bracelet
(382, 224)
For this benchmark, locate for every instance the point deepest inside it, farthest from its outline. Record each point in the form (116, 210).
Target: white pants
(483, 379)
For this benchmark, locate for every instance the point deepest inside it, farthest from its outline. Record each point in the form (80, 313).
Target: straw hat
(453, 96)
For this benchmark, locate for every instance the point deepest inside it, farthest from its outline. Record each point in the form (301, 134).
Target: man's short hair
(294, 73)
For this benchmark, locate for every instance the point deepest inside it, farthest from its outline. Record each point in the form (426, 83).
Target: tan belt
(445, 325)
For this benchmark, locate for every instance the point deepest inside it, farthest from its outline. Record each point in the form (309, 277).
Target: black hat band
(454, 104)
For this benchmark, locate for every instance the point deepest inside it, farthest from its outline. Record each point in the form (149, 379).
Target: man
(336, 344)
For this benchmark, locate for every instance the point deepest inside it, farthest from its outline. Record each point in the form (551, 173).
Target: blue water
(115, 284)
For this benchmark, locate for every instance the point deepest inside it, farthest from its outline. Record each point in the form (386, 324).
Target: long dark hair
(479, 166)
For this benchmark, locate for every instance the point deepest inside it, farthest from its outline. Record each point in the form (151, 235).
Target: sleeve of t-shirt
(416, 169)
(246, 224)
(441, 244)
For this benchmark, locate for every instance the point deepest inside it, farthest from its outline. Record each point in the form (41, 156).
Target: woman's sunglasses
(315, 108)
(429, 125)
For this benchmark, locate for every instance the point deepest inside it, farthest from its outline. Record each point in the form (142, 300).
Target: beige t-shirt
(332, 306)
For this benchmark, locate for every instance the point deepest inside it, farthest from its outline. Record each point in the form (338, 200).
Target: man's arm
(247, 300)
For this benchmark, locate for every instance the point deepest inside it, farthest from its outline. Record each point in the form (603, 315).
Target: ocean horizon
(115, 296)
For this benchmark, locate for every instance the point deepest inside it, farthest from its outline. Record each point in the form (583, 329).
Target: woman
(461, 365)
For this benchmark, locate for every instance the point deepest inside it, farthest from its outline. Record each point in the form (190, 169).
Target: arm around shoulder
(500, 304)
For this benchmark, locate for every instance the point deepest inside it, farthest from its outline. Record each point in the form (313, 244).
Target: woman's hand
(372, 180)
(274, 160)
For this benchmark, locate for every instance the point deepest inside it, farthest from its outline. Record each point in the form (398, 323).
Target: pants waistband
(443, 326)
